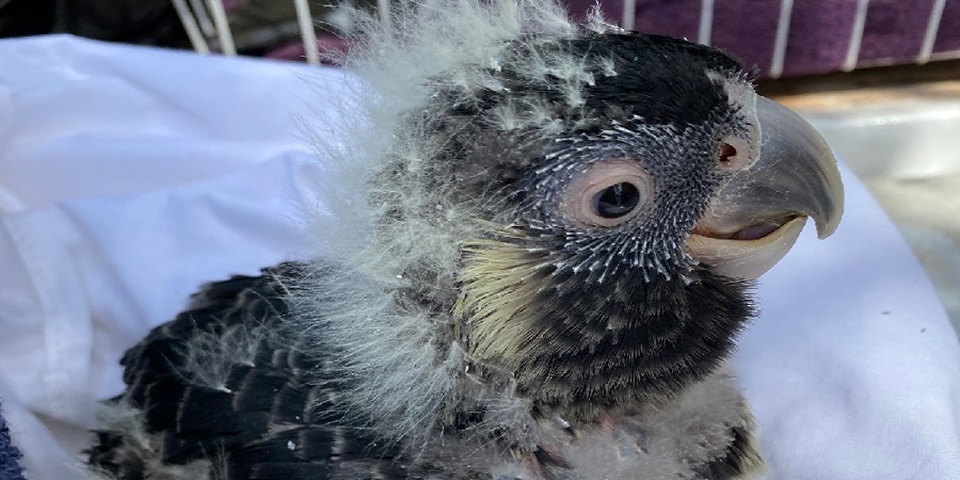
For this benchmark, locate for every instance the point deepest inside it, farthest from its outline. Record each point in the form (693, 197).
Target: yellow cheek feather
(499, 284)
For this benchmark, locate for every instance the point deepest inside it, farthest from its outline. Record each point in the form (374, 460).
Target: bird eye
(607, 193)
(616, 201)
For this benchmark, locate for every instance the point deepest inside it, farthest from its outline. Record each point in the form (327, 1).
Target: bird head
(612, 259)
(586, 206)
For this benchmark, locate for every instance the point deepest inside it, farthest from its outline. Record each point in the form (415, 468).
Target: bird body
(560, 226)
(222, 392)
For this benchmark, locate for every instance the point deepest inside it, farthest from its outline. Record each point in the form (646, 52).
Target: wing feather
(219, 390)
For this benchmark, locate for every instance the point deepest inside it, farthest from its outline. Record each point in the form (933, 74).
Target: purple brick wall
(677, 18)
(752, 42)
(948, 37)
(819, 36)
(894, 29)
(819, 31)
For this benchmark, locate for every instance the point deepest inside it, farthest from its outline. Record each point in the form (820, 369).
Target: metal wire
(204, 20)
(856, 35)
(705, 32)
(933, 26)
(783, 36)
(223, 27)
(190, 25)
(629, 14)
(307, 32)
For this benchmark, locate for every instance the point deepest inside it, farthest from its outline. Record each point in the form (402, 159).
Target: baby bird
(544, 241)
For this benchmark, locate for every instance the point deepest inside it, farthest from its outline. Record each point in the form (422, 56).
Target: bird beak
(756, 218)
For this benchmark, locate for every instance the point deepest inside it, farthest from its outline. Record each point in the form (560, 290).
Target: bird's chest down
(637, 393)
(704, 432)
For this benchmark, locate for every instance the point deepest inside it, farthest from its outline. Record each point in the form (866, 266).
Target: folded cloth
(129, 176)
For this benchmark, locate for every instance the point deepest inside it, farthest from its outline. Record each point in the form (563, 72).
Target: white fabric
(129, 176)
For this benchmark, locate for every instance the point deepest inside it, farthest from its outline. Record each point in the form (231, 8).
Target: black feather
(276, 418)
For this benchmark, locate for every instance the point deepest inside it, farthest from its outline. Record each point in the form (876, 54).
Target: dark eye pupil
(617, 200)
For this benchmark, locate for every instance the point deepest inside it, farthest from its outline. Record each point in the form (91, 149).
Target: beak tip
(827, 229)
(828, 226)
(833, 201)
(801, 159)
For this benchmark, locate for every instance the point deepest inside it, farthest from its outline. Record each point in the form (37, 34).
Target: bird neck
(620, 345)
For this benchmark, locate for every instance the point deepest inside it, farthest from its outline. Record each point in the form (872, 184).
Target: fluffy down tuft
(449, 48)
(390, 165)
(399, 380)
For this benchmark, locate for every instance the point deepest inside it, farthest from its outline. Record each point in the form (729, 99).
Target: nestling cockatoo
(548, 237)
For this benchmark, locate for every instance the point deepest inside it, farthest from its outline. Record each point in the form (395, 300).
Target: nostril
(727, 154)
(734, 154)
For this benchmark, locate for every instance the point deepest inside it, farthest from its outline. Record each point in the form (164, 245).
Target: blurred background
(879, 78)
